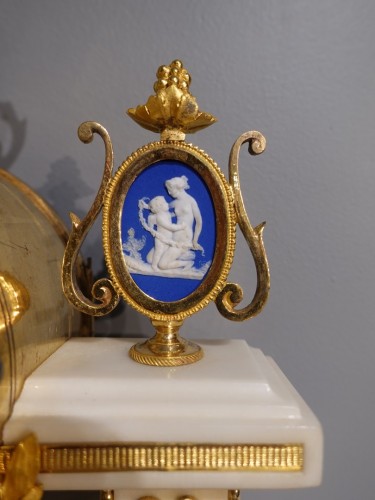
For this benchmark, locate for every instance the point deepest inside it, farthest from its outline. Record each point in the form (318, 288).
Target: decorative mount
(169, 222)
(172, 111)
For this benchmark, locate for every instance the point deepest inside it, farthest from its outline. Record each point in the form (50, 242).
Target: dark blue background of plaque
(151, 183)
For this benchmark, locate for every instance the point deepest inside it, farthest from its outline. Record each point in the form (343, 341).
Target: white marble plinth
(172, 494)
(90, 391)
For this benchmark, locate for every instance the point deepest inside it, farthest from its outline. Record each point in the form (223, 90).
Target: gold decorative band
(148, 358)
(165, 457)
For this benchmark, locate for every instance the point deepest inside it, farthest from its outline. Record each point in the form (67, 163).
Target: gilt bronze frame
(173, 112)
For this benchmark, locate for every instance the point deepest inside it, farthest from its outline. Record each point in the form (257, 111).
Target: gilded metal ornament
(21, 472)
(168, 457)
(231, 295)
(169, 226)
(234, 495)
(172, 111)
(107, 495)
(102, 290)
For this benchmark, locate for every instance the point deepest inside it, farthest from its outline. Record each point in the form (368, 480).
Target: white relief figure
(187, 211)
(175, 244)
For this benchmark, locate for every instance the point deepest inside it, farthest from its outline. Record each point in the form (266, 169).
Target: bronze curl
(102, 291)
(231, 295)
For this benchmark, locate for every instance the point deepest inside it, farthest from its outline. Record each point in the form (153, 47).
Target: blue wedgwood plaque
(168, 230)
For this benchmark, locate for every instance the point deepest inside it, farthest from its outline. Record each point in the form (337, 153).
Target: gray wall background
(303, 73)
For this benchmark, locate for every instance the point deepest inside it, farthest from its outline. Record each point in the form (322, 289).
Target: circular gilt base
(191, 353)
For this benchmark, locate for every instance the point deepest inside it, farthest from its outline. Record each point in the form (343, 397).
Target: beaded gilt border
(165, 457)
(222, 195)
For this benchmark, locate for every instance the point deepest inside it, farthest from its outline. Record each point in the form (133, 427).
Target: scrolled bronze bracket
(102, 291)
(231, 295)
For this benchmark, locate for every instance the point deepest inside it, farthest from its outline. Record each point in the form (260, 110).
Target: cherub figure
(162, 228)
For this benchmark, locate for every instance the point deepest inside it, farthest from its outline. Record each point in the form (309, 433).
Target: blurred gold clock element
(35, 318)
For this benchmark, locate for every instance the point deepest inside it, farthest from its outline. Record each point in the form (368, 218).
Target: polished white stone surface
(172, 494)
(90, 391)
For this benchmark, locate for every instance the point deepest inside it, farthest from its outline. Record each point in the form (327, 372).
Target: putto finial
(172, 111)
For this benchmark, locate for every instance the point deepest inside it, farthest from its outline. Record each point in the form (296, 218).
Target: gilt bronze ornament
(169, 226)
